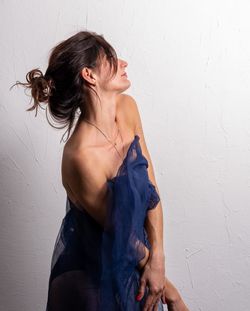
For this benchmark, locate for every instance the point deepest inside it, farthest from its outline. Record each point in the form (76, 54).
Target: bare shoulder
(126, 97)
(133, 113)
(127, 106)
(127, 102)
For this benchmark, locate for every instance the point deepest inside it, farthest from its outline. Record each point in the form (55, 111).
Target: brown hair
(62, 87)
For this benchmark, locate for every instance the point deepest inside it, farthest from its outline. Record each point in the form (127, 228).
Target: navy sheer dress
(95, 268)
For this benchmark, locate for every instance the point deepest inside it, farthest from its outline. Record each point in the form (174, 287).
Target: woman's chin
(126, 85)
(122, 87)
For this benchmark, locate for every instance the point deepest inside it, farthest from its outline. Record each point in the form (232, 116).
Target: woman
(108, 253)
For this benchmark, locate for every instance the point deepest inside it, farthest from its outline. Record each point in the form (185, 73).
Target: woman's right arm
(89, 186)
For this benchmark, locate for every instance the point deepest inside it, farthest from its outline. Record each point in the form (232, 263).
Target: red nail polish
(138, 297)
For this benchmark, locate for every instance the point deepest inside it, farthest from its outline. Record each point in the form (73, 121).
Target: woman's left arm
(154, 270)
(154, 219)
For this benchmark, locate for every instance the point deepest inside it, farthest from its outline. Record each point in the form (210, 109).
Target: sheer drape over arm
(124, 237)
(122, 248)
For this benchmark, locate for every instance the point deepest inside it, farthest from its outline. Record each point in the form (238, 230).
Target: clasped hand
(153, 276)
(152, 269)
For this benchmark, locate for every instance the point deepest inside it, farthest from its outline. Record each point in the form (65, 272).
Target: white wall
(189, 65)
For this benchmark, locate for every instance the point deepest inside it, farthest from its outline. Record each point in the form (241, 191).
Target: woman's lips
(125, 74)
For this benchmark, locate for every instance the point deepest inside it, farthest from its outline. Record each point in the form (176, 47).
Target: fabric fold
(154, 197)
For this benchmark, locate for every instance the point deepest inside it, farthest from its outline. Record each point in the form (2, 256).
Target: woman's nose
(123, 63)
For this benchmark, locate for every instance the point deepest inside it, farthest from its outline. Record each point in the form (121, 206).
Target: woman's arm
(154, 262)
(153, 274)
(154, 219)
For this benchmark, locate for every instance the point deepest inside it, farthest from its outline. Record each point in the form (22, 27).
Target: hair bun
(33, 75)
(40, 87)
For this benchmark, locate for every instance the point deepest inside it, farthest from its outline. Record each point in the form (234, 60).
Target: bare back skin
(87, 166)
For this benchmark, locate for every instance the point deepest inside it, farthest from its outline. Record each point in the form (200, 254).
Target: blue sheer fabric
(95, 268)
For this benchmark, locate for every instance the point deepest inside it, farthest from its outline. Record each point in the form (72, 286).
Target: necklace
(113, 144)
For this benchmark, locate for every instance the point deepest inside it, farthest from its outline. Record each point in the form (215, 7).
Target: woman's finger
(155, 308)
(149, 302)
(163, 298)
(141, 290)
(156, 302)
(152, 298)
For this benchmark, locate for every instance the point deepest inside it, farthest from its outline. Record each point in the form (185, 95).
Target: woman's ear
(88, 75)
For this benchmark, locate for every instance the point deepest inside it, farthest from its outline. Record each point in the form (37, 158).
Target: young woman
(109, 252)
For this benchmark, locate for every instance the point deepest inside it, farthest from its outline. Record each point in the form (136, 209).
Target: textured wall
(189, 65)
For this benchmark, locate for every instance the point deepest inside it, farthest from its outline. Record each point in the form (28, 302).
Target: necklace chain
(113, 144)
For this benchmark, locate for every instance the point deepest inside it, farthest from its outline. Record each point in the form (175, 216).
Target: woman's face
(118, 83)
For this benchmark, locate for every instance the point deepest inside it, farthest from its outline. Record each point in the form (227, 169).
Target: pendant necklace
(113, 144)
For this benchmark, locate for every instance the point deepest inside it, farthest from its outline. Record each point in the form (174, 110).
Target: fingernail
(138, 297)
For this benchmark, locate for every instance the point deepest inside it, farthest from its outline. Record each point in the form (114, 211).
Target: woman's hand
(153, 275)
(172, 298)
(170, 294)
